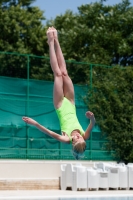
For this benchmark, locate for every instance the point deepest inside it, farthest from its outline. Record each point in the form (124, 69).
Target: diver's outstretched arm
(54, 135)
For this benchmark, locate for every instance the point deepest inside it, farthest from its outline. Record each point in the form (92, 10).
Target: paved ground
(56, 194)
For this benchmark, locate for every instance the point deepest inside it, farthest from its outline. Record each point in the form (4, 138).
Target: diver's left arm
(89, 115)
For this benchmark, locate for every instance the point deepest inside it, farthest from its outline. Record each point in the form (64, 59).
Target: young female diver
(63, 99)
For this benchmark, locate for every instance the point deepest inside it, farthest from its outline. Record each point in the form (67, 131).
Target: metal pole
(27, 102)
(91, 76)
(91, 133)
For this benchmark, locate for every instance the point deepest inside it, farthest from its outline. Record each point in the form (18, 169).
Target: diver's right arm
(54, 135)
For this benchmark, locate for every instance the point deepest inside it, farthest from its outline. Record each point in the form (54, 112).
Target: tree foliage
(22, 32)
(7, 3)
(111, 99)
(21, 28)
(98, 33)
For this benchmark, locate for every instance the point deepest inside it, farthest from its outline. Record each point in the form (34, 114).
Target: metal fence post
(91, 132)
(90, 76)
(27, 102)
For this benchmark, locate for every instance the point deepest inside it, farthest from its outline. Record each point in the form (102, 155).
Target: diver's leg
(58, 80)
(68, 88)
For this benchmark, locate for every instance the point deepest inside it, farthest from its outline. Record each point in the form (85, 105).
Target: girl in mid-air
(63, 99)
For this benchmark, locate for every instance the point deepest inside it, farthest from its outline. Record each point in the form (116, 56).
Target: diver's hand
(29, 121)
(90, 115)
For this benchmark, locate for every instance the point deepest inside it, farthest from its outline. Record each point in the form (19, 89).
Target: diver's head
(79, 145)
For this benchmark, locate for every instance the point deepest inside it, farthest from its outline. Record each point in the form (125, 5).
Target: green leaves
(22, 32)
(8, 3)
(111, 100)
(98, 33)
(21, 28)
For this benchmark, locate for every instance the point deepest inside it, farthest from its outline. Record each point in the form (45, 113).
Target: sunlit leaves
(103, 33)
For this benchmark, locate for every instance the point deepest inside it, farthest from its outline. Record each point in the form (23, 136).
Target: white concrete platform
(34, 169)
(55, 194)
(27, 169)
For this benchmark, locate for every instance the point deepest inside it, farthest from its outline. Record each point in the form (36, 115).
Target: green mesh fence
(27, 96)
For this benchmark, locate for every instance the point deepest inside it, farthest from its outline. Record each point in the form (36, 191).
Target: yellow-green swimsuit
(68, 118)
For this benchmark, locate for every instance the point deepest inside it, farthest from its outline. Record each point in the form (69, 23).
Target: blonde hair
(78, 149)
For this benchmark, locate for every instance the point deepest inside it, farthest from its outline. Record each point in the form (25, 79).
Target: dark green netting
(33, 98)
